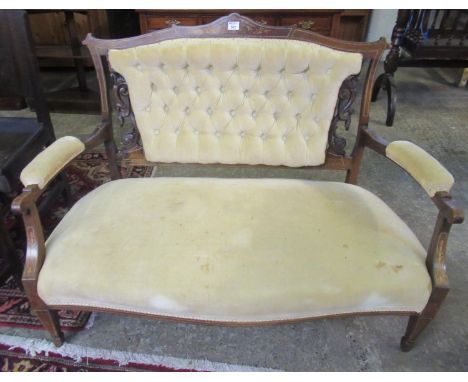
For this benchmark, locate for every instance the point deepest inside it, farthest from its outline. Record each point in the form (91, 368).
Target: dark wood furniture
(21, 139)
(343, 24)
(423, 38)
(75, 99)
(336, 158)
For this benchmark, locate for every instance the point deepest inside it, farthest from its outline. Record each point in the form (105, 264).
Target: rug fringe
(34, 346)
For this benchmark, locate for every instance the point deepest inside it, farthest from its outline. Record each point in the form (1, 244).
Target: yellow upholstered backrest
(234, 100)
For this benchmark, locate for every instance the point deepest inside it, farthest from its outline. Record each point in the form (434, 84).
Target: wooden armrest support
(449, 211)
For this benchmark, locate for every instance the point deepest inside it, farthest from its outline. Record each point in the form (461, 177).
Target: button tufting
(177, 131)
(166, 108)
(254, 114)
(275, 115)
(290, 93)
(242, 134)
(210, 68)
(282, 69)
(187, 110)
(329, 69)
(232, 113)
(209, 111)
(307, 138)
(198, 90)
(284, 137)
(138, 66)
(298, 116)
(175, 89)
(156, 131)
(263, 136)
(267, 93)
(316, 119)
(217, 133)
(148, 108)
(246, 92)
(221, 89)
(195, 131)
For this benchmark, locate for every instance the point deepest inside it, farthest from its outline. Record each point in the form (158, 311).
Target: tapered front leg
(50, 321)
(418, 323)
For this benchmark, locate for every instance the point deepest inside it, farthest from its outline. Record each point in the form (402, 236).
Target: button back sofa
(235, 251)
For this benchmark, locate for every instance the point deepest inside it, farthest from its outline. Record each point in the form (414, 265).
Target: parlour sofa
(235, 251)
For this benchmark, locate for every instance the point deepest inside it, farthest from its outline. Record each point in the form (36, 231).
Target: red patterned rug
(17, 359)
(84, 174)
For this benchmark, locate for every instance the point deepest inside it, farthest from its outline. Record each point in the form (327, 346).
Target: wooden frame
(430, 38)
(336, 159)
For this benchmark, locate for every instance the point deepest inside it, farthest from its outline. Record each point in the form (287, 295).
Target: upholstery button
(217, 133)
(187, 110)
(166, 108)
(147, 108)
(156, 131)
(198, 90)
(267, 93)
(306, 138)
(161, 65)
(177, 131)
(284, 137)
(259, 68)
(210, 67)
(221, 89)
(329, 70)
(263, 136)
(316, 119)
(209, 111)
(175, 89)
(254, 114)
(195, 131)
(290, 93)
(242, 134)
(246, 92)
(298, 116)
(282, 69)
(232, 113)
(275, 115)
(138, 66)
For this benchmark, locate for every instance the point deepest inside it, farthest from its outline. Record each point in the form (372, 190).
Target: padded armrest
(422, 166)
(51, 161)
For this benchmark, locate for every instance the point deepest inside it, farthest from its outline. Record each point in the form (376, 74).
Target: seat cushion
(242, 250)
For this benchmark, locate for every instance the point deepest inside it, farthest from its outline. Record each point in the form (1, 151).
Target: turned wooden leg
(418, 323)
(50, 321)
(387, 82)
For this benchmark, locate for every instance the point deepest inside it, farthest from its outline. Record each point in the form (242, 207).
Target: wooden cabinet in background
(343, 24)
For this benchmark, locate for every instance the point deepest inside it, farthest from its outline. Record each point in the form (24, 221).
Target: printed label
(233, 25)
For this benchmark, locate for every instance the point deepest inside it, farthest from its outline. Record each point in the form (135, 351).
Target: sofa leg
(50, 321)
(416, 325)
(418, 322)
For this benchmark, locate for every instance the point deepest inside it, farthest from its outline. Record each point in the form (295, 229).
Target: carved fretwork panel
(123, 107)
(343, 111)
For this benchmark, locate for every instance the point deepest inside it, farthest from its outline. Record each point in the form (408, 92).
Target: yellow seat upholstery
(241, 250)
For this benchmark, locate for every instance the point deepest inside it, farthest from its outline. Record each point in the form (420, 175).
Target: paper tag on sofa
(233, 25)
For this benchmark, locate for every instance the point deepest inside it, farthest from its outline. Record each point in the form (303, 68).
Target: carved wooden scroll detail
(343, 112)
(131, 138)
